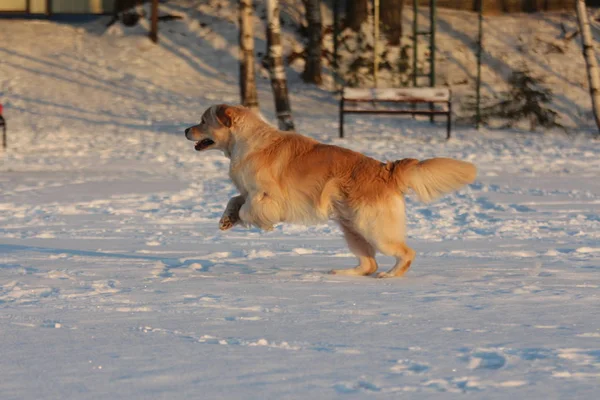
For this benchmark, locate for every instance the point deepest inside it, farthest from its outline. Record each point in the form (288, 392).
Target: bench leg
(431, 116)
(449, 124)
(342, 118)
(3, 134)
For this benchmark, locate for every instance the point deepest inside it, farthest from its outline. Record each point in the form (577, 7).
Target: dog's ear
(225, 115)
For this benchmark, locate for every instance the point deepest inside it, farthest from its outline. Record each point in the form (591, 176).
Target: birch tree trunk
(154, 21)
(247, 80)
(312, 69)
(357, 12)
(590, 58)
(276, 69)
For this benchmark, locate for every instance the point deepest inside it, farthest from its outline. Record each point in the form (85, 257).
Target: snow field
(115, 281)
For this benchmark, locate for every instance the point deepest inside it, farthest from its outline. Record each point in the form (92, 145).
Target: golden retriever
(287, 177)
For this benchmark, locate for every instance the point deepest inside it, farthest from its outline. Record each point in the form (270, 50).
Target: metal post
(479, 51)
(415, 52)
(342, 116)
(415, 13)
(3, 123)
(336, 31)
(336, 27)
(449, 121)
(375, 41)
(432, 18)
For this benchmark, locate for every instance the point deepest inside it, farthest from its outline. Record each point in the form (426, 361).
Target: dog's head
(214, 130)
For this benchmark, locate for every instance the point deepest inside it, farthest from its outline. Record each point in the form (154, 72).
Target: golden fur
(287, 177)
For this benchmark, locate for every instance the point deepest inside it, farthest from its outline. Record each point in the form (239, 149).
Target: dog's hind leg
(363, 250)
(404, 257)
(231, 215)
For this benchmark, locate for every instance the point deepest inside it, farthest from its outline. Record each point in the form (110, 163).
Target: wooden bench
(395, 101)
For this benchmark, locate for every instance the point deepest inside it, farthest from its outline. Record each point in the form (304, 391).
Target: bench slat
(350, 105)
(398, 112)
(404, 100)
(397, 94)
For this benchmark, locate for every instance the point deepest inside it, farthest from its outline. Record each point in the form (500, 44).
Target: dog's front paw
(227, 222)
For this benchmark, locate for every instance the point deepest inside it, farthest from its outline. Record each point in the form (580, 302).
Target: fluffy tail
(432, 178)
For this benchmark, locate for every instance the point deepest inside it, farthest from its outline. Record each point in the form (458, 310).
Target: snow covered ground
(116, 283)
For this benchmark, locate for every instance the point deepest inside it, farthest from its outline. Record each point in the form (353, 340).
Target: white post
(375, 41)
(587, 42)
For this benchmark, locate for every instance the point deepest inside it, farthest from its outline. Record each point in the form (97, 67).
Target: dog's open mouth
(203, 144)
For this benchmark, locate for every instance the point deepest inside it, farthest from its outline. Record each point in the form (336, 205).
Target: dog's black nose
(187, 130)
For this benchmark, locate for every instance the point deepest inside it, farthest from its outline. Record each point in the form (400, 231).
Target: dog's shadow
(169, 263)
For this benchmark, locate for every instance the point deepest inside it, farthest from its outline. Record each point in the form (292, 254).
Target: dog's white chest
(242, 177)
